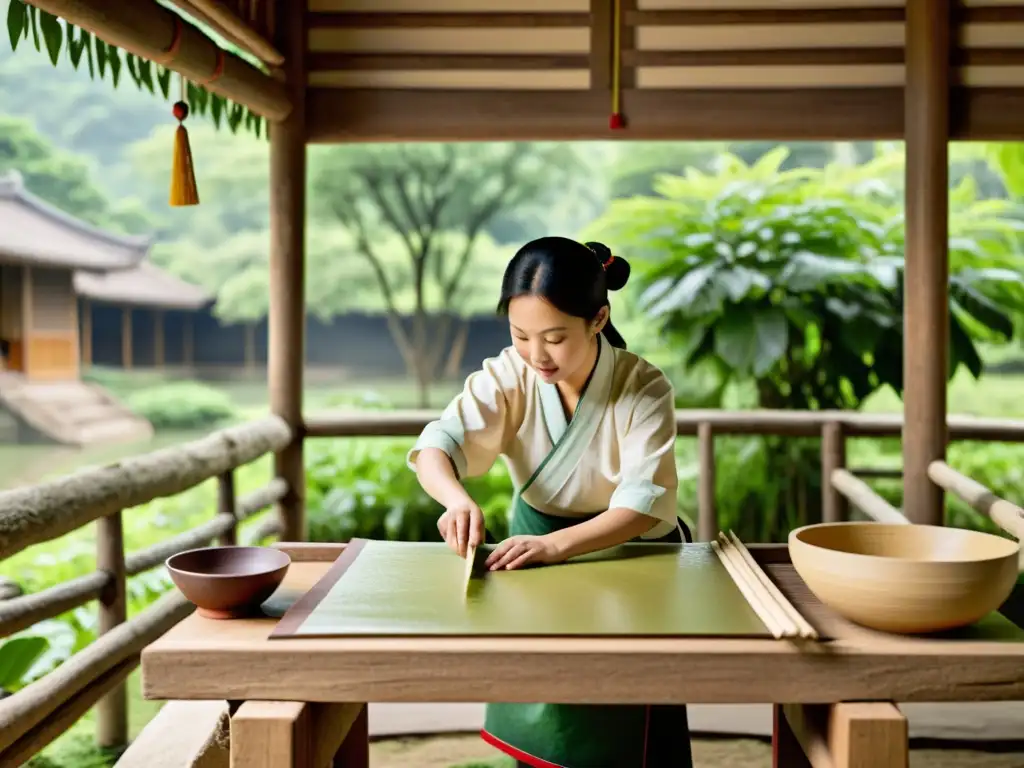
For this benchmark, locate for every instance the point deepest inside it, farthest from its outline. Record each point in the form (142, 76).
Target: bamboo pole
(112, 709)
(43, 512)
(232, 27)
(287, 317)
(926, 299)
(149, 30)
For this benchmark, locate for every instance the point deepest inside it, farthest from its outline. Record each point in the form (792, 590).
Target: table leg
(271, 734)
(293, 734)
(786, 749)
(848, 734)
(355, 749)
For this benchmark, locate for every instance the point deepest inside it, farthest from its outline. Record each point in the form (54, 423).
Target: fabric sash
(570, 439)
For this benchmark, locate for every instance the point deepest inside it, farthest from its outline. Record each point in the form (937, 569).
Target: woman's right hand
(462, 526)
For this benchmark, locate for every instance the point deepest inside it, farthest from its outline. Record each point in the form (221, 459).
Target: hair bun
(616, 268)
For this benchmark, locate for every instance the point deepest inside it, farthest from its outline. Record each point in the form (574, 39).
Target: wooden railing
(35, 715)
(31, 718)
(834, 428)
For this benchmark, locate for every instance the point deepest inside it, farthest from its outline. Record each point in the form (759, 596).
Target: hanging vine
(55, 36)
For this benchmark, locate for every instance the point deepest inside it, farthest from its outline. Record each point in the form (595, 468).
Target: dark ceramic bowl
(228, 582)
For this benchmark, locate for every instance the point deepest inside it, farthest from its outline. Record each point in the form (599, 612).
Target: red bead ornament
(180, 111)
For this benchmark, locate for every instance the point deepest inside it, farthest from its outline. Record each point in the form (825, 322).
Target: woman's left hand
(517, 551)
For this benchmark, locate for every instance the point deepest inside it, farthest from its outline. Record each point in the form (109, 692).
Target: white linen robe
(616, 452)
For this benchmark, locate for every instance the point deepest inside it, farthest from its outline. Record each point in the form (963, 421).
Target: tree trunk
(457, 351)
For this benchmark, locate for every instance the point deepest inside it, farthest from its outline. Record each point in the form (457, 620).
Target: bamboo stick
(789, 628)
(806, 630)
(751, 597)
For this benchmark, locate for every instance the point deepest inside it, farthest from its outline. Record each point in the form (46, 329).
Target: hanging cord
(616, 121)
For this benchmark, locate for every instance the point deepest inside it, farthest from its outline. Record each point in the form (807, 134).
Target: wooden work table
(234, 660)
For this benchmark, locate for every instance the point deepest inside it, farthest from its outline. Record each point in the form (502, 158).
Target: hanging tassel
(183, 177)
(616, 120)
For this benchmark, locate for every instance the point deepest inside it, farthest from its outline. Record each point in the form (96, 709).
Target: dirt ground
(449, 751)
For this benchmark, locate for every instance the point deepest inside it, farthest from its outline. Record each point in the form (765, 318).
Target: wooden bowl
(905, 578)
(228, 582)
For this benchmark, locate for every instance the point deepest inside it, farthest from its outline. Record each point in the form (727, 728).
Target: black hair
(573, 277)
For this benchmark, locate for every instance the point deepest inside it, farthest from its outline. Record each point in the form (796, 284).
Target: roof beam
(155, 33)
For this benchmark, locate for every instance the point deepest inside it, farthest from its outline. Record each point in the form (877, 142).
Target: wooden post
(187, 343)
(707, 517)
(786, 749)
(834, 508)
(126, 338)
(112, 709)
(286, 354)
(355, 749)
(158, 338)
(27, 313)
(845, 735)
(226, 505)
(926, 286)
(86, 333)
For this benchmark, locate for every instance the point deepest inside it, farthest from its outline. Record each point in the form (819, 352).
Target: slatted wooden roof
(689, 69)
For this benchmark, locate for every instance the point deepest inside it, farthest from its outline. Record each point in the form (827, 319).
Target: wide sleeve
(647, 471)
(477, 425)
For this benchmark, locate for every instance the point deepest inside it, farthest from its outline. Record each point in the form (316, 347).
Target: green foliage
(57, 36)
(60, 178)
(17, 657)
(182, 405)
(794, 279)
(363, 488)
(79, 750)
(417, 215)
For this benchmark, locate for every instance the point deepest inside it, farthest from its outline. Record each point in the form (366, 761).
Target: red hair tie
(608, 263)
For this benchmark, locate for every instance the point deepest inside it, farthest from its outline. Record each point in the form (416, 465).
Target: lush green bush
(363, 488)
(182, 405)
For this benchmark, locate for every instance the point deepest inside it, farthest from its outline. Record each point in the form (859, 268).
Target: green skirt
(586, 735)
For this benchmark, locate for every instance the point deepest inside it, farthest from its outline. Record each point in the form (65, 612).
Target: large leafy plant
(794, 279)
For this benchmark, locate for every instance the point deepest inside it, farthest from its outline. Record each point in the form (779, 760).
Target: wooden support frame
(834, 508)
(844, 735)
(926, 279)
(287, 318)
(291, 734)
(147, 29)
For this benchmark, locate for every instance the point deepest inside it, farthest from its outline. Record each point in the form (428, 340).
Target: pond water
(28, 464)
